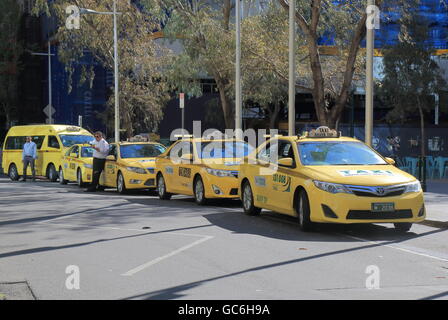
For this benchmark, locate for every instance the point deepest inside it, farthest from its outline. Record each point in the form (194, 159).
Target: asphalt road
(139, 247)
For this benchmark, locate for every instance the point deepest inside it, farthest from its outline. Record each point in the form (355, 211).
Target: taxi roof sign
(138, 138)
(323, 132)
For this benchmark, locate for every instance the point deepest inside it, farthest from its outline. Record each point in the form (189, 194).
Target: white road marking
(159, 259)
(397, 248)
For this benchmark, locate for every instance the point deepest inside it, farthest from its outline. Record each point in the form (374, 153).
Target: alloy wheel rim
(13, 173)
(161, 186)
(79, 178)
(199, 190)
(61, 175)
(247, 197)
(120, 183)
(301, 212)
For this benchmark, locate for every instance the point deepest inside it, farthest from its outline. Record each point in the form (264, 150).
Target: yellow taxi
(77, 165)
(201, 168)
(131, 165)
(52, 141)
(322, 177)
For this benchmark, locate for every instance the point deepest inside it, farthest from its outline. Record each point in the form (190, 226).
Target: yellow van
(51, 141)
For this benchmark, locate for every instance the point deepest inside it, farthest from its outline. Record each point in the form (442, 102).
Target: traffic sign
(182, 100)
(49, 111)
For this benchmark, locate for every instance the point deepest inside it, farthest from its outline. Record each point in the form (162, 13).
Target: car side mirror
(286, 162)
(390, 161)
(73, 155)
(111, 157)
(187, 157)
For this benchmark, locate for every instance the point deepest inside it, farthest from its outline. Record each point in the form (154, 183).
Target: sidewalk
(436, 202)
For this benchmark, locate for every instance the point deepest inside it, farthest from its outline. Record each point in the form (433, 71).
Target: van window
(53, 142)
(16, 143)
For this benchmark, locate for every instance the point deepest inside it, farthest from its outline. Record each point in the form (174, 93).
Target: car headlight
(89, 166)
(220, 173)
(137, 170)
(413, 187)
(331, 187)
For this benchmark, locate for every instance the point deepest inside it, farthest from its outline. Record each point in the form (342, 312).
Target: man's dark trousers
(28, 161)
(98, 167)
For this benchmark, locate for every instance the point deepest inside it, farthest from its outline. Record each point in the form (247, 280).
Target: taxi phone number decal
(350, 173)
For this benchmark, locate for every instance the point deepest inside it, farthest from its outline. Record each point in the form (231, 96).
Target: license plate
(383, 207)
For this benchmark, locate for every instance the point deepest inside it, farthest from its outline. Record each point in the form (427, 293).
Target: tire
(303, 212)
(79, 178)
(403, 226)
(61, 177)
(247, 198)
(13, 173)
(121, 185)
(161, 188)
(199, 191)
(52, 174)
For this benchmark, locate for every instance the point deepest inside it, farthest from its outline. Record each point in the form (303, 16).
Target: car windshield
(223, 149)
(141, 150)
(337, 153)
(86, 152)
(70, 139)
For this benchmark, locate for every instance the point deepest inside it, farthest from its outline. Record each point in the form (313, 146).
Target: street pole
(49, 109)
(238, 100)
(292, 71)
(117, 107)
(370, 37)
(50, 98)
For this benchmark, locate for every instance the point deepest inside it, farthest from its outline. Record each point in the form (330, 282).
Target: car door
(73, 163)
(109, 174)
(279, 184)
(180, 180)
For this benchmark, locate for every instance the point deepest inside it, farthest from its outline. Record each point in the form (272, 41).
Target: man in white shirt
(99, 159)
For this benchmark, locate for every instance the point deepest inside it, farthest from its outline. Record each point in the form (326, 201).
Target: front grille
(234, 191)
(370, 215)
(377, 191)
(368, 194)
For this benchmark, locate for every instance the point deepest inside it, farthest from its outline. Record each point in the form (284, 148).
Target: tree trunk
(226, 106)
(273, 116)
(422, 129)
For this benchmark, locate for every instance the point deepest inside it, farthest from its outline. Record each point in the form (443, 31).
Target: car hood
(140, 162)
(222, 164)
(375, 175)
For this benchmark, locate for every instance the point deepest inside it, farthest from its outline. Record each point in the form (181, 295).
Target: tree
(204, 28)
(331, 75)
(10, 52)
(143, 91)
(411, 76)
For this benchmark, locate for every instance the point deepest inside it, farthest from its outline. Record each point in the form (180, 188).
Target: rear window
(17, 142)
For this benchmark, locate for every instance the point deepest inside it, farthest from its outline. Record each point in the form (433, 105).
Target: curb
(435, 224)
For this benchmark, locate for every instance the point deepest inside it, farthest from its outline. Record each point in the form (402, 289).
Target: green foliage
(411, 75)
(11, 50)
(142, 90)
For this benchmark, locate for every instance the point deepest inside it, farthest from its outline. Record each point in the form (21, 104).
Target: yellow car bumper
(220, 187)
(350, 208)
(140, 181)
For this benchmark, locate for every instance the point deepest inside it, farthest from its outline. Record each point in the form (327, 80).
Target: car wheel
(161, 188)
(199, 191)
(303, 211)
(52, 173)
(121, 186)
(13, 173)
(403, 226)
(61, 177)
(247, 197)
(79, 179)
